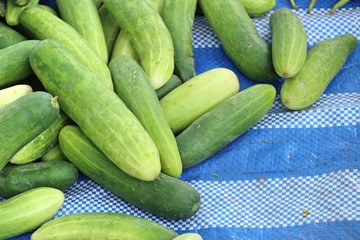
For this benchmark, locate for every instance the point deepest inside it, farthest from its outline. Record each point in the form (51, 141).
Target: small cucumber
(133, 86)
(150, 36)
(198, 95)
(99, 112)
(12, 11)
(289, 42)
(258, 7)
(9, 36)
(188, 236)
(110, 28)
(322, 63)
(224, 123)
(10, 94)
(102, 225)
(15, 179)
(173, 83)
(123, 46)
(54, 154)
(24, 119)
(166, 196)
(28, 210)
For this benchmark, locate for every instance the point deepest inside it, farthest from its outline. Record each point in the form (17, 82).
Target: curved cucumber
(28, 210)
(251, 54)
(10, 94)
(258, 7)
(224, 123)
(289, 42)
(54, 154)
(99, 112)
(9, 36)
(322, 63)
(166, 196)
(102, 225)
(198, 95)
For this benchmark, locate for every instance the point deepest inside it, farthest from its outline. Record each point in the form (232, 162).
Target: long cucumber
(10, 94)
(12, 11)
(110, 28)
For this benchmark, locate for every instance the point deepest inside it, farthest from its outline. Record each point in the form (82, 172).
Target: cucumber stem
(338, 5)
(311, 6)
(294, 4)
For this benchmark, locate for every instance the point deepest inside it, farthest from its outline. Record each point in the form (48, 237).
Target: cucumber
(150, 36)
(45, 25)
(24, 119)
(12, 11)
(99, 112)
(98, 3)
(166, 196)
(110, 28)
(123, 46)
(102, 225)
(15, 179)
(84, 17)
(158, 5)
(10, 94)
(48, 8)
(134, 88)
(178, 16)
(42, 143)
(14, 62)
(20, 3)
(224, 123)
(251, 54)
(323, 62)
(289, 42)
(2, 8)
(28, 210)
(9, 36)
(54, 154)
(258, 7)
(188, 236)
(198, 95)
(173, 83)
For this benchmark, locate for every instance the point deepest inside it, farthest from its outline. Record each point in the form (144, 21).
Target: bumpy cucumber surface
(10, 94)
(9, 36)
(99, 112)
(166, 196)
(224, 123)
(258, 7)
(322, 63)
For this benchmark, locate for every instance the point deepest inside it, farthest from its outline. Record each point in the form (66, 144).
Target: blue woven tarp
(259, 186)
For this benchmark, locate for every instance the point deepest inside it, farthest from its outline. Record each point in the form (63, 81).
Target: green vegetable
(124, 47)
(9, 36)
(188, 236)
(54, 154)
(258, 7)
(110, 28)
(12, 11)
(10, 94)
(20, 3)
(173, 83)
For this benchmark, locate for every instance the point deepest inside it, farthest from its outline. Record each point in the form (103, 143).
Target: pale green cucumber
(9, 36)
(12, 12)
(28, 210)
(110, 27)
(134, 88)
(84, 17)
(54, 154)
(158, 5)
(150, 36)
(189, 236)
(289, 42)
(48, 8)
(173, 83)
(258, 7)
(198, 95)
(10, 94)
(99, 112)
(102, 225)
(45, 25)
(323, 62)
(123, 46)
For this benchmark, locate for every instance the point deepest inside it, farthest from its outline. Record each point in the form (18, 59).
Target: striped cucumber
(28, 210)
(102, 225)
(150, 36)
(84, 17)
(45, 25)
(322, 63)
(258, 7)
(24, 119)
(198, 95)
(134, 88)
(110, 28)
(173, 83)
(9, 36)
(10, 94)
(179, 16)
(224, 123)
(54, 154)
(245, 47)
(289, 42)
(166, 196)
(99, 112)
(12, 11)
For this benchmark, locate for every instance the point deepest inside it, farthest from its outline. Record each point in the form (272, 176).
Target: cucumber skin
(123, 46)
(15, 179)
(151, 38)
(10, 94)
(99, 112)
(15, 217)
(102, 225)
(54, 154)
(110, 27)
(166, 196)
(21, 122)
(288, 55)
(14, 62)
(9, 36)
(12, 12)
(322, 64)
(258, 7)
(173, 83)
(224, 123)
(245, 47)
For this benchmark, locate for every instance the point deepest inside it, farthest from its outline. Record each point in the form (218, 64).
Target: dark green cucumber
(102, 225)
(9, 36)
(45, 25)
(12, 11)
(133, 86)
(289, 42)
(178, 16)
(173, 83)
(15, 179)
(99, 112)
(54, 154)
(28, 210)
(165, 196)
(244, 46)
(24, 119)
(14, 62)
(48, 8)
(110, 27)
(221, 125)
(322, 63)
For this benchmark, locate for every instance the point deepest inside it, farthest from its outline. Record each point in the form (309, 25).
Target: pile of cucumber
(108, 88)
